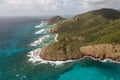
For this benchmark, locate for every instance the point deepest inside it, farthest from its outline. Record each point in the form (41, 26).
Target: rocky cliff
(102, 51)
(60, 52)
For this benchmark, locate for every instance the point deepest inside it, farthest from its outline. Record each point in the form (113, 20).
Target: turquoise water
(92, 70)
(18, 37)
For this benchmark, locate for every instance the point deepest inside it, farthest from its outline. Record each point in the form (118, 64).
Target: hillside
(98, 27)
(55, 19)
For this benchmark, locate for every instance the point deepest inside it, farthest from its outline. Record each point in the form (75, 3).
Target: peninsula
(95, 33)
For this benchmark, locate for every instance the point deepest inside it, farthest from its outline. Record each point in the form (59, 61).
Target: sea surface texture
(20, 43)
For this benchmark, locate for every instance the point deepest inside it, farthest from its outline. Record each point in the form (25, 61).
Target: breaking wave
(40, 40)
(41, 24)
(40, 31)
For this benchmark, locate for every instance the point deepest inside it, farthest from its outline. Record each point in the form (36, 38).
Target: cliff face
(60, 52)
(102, 51)
(93, 30)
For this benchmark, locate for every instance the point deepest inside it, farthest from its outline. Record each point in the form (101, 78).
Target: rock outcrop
(102, 51)
(60, 52)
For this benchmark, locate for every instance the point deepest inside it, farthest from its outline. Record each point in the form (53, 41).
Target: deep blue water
(17, 39)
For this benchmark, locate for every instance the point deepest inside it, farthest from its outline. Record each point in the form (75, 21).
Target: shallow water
(19, 37)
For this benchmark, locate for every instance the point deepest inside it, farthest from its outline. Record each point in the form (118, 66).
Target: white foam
(41, 24)
(39, 41)
(17, 75)
(105, 60)
(34, 56)
(40, 31)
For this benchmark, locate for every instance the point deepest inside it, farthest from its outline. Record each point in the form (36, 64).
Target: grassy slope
(99, 26)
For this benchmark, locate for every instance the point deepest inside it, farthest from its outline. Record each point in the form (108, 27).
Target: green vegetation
(55, 19)
(94, 27)
(98, 26)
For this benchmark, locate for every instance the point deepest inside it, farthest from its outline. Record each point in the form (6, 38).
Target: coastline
(105, 60)
(35, 57)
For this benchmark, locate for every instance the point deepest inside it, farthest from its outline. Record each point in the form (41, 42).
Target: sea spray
(34, 57)
(40, 40)
(41, 24)
(40, 31)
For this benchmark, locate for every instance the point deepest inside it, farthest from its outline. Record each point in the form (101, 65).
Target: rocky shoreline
(102, 51)
(66, 52)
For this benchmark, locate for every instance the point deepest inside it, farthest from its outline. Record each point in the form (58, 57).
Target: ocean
(20, 42)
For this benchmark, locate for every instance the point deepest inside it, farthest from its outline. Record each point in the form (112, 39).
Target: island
(94, 33)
